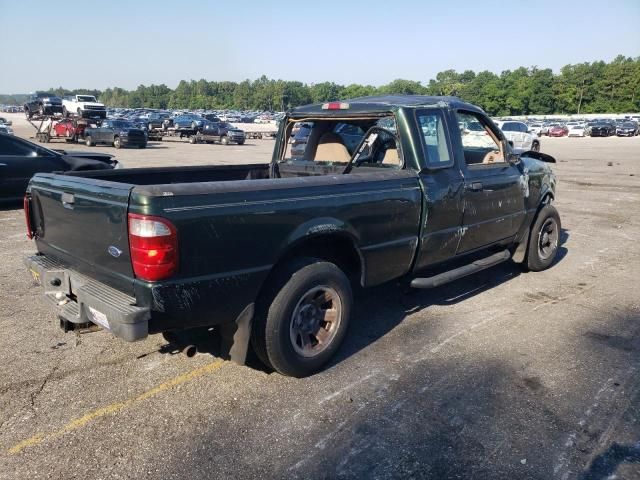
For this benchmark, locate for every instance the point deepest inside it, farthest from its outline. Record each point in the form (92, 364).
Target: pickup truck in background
(272, 253)
(222, 132)
(84, 106)
(119, 133)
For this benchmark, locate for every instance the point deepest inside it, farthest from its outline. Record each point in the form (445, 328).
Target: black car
(222, 132)
(119, 133)
(627, 129)
(21, 159)
(42, 103)
(158, 120)
(601, 129)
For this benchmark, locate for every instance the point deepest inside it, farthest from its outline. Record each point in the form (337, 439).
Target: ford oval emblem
(114, 251)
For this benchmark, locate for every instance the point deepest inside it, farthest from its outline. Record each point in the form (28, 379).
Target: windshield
(86, 98)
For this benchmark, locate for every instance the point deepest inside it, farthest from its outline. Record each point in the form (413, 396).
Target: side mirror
(510, 142)
(513, 158)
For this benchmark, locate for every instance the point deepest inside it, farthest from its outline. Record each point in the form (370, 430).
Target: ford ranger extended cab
(271, 252)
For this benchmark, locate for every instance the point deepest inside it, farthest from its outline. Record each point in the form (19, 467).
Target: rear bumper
(81, 300)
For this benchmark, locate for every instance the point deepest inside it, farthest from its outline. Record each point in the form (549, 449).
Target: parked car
(4, 121)
(21, 159)
(84, 106)
(627, 129)
(576, 130)
(602, 129)
(271, 253)
(538, 129)
(42, 103)
(119, 133)
(222, 132)
(6, 129)
(558, 131)
(519, 136)
(298, 139)
(188, 122)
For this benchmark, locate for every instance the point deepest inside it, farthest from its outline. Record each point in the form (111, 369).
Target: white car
(518, 134)
(576, 130)
(85, 106)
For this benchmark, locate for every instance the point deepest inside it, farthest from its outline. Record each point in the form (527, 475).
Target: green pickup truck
(415, 188)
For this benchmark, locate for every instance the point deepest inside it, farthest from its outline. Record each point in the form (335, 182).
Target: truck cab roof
(380, 103)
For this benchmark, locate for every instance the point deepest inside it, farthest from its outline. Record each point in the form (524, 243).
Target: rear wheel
(302, 321)
(544, 239)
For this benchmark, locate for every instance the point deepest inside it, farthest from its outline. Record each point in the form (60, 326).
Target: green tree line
(596, 87)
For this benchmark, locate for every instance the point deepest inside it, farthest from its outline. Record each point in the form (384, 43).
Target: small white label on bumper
(99, 318)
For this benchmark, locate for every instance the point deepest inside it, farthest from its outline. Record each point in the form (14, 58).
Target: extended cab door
(442, 184)
(494, 189)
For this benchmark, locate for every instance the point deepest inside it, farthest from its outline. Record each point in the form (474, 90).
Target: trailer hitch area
(79, 328)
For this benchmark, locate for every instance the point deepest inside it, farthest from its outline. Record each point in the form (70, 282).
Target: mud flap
(520, 253)
(234, 341)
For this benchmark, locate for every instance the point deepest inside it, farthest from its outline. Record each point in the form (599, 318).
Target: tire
(144, 145)
(224, 140)
(288, 315)
(41, 110)
(544, 239)
(88, 142)
(79, 113)
(193, 140)
(241, 142)
(27, 114)
(117, 143)
(65, 112)
(535, 146)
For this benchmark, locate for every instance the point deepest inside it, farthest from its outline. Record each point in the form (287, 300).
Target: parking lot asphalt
(503, 374)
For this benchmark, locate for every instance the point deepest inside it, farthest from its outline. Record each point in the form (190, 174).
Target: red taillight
(153, 243)
(335, 106)
(27, 216)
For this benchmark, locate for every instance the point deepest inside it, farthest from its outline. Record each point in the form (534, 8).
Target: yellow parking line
(115, 407)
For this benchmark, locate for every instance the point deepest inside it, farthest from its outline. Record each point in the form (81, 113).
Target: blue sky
(109, 43)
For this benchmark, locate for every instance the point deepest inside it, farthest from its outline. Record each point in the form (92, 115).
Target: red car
(69, 129)
(558, 131)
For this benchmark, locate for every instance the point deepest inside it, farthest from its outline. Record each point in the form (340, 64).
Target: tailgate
(83, 222)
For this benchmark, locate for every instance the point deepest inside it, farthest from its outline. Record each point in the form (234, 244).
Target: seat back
(331, 148)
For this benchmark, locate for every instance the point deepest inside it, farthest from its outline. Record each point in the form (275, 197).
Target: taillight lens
(27, 216)
(153, 243)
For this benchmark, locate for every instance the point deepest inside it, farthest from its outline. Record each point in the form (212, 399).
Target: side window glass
(480, 144)
(11, 147)
(436, 146)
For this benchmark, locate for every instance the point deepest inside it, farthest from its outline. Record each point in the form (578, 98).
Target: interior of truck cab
(330, 146)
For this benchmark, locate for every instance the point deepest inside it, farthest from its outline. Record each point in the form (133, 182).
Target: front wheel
(544, 239)
(88, 142)
(224, 140)
(117, 142)
(300, 325)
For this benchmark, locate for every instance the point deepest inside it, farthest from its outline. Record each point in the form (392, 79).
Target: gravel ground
(499, 375)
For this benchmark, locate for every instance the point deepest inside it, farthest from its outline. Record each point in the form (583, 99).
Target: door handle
(475, 187)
